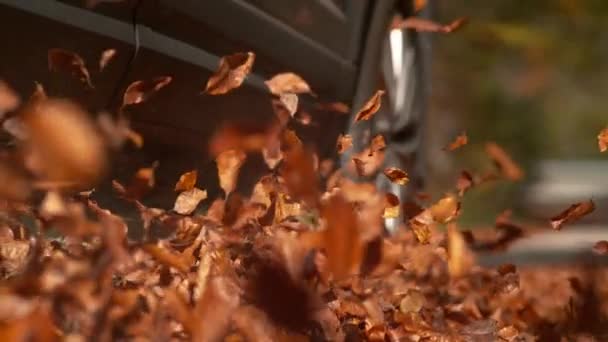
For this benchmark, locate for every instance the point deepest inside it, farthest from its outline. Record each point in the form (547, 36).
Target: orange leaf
(366, 163)
(396, 175)
(186, 181)
(345, 141)
(464, 182)
(391, 208)
(377, 144)
(140, 91)
(232, 71)
(460, 141)
(509, 169)
(106, 57)
(228, 164)
(425, 25)
(244, 136)
(66, 61)
(287, 82)
(301, 180)
(573, 213)
(460, 259)
(601, 247)
(9, 100)
(143, 181)
(290, 102)
(188, 200)
(370, 107)
(446, 209)
(419, 5)
(602, 140)
(341, 240)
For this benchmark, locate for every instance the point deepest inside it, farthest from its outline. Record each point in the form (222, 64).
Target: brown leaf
(345, 141)
(186, 181)
(425, 25)
(503, 161)
(166, 257)
(143, 181)
(391, 209)
(464, 182)
(446, 209)
(460, 141)
(290, 102)
(366, 163)
(228, 164)
(188, 200)
(341, 241)
(63, 144)
(602, 140)
(288, 82)
(66, 61)
(106, 57)
(140, 91)
(231, 73)
(420, 225)
(16, 186)
(601, 247)
(9, 100)
(413, 301)
(573, 213)
(299, 174)
(370, 107)
(272, 154)
(459, 258)
(396, 175)
(378, 144)
(245, 136)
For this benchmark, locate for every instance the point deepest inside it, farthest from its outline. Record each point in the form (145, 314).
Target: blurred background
(531, 76)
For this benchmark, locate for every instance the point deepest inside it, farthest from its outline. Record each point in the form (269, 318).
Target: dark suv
(344, 49)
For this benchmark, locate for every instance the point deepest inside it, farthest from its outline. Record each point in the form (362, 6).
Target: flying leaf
(600, 247)
(464, 182)
(245, 136)
(140, 91)
(378, 144)
(366, 163)
(143, 181)
(228, 164)
(9, 100)
(341, 241)
(186, 181)
(459, 257)
(66, 61)
(188, 200)
(345, 141)
(391, 209)
(503, 161)
(15, 186)
(446, 209)
(460, 141)
(290, 102)
(426, 25)
(602, 140)
(287, 82)
(396, 175)
(573, 213)
(272, 154)
(370, 107)
(420, 225)
(106, 57)
(63, 144)
(232, 71)
(299, 174)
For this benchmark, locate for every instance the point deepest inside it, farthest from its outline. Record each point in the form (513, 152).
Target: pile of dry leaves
(303, 258)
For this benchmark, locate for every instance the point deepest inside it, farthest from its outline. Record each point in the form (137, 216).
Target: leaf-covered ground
(304, 257)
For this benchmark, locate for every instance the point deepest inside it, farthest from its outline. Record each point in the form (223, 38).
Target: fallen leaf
(231, 73)
(396, 175)
(341, 241)
(63, 144)
(446, 209)
(460, 141)
(9, 100)
(602, 140)
(287, 82)
(426, 25)
(140, 91)
(370, 107)
(228, 164)
(573, 213)
(464, 182)
(503, 161)
(601, 247)
(186, 181)
(66, 61)
(345, 142)
(413, 301)
(106, 57)
(188, 200)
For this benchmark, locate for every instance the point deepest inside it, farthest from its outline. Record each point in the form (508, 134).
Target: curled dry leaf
(601, 247)
(425, 25)
(366, 163)
(370, 107)
(244, 136)
(186, 181)
(66, 61)
(188, 200)
(572, 214)
(300, 176)
(446, 209)
(458, 142)
(143, 181)
(503, 161)
(228, 164)
(396, 175)
(140, 91)
(345, 141)
(106, 57)
(63, 144)
(290, 102)
(287, 82)
(459, 257)
(602, 139)
(272, 154)
(420, 225)
(391, 209)
(231, 73)
(9, 100)
(464, 182)
(378, 144)
(341, 241)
